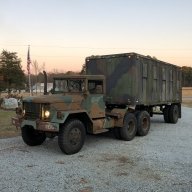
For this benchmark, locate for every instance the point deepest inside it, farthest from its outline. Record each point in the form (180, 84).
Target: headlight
(47, 114)
(45, 111)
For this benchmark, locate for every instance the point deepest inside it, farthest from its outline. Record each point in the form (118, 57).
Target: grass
(6, 128)
(187, 104)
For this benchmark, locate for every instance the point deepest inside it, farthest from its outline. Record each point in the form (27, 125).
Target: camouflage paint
(133, 79)
(118, 115)
(92, 105)
(128, 79)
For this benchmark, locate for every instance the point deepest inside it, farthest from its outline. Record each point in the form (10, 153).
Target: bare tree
(37, 70)
(55, 71)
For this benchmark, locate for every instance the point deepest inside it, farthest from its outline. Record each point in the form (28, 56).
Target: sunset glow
(62, 33)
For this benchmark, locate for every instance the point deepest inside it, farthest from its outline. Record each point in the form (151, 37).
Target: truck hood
(59, 98)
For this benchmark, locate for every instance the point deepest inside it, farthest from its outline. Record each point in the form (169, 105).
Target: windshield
(69, 85)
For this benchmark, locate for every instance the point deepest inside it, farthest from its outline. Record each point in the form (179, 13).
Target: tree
(11, 70)
(186, 76)
(83, 70)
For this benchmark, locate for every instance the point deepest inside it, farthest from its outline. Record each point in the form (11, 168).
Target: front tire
(71, 137)
(128, 131)
(31, 136)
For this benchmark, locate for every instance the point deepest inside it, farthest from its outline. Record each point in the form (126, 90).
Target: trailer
(142, 84)
(133, 79)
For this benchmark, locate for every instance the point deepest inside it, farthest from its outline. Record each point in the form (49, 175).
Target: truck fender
(82, 115)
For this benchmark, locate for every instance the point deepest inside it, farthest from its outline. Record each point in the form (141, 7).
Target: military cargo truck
(119, 92)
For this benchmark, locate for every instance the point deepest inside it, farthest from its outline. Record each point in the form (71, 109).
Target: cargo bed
(134, 79)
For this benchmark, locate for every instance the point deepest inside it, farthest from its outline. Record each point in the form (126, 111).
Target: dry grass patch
(187, 96)
(187, 103)
(187, 91)
(6, 128)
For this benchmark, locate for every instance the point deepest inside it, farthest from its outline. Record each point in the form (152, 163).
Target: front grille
(32, 110)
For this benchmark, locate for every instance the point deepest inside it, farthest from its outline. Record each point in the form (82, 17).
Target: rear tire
(31, 136)
(116, 132)
(143, 123)
(128, 131)
(174, 113)
(166, 114)
(71, 137)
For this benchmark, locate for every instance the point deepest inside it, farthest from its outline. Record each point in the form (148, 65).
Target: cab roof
(92, 77)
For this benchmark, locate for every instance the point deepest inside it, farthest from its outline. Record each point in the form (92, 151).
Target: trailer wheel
(128, 131)
(143, 123)
(31, 136)
(71, 137)
(166, 114)
(174, 113)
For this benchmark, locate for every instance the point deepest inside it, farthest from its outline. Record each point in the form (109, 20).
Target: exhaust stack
(45, 82)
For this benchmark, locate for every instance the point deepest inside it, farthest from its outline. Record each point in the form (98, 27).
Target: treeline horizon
(12, 75)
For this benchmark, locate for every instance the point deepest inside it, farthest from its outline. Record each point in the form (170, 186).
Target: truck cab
(74, 107)
(90, 90)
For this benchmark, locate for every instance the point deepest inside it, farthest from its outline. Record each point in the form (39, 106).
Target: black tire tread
(140, 116)
(31, 136)
(166, 114)
(124, 132)
(116, 132)
(63, 137)
(174, 113)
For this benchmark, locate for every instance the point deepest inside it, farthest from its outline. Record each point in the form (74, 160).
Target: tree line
(12, 75)
(186, 76)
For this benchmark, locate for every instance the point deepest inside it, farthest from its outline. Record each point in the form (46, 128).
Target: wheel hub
(75, 136)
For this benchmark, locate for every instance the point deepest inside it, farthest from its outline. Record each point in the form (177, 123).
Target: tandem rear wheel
(134, 123)
(143, 123)
(129, 129)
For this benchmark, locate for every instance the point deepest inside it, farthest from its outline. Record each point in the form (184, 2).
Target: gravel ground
(160, 161)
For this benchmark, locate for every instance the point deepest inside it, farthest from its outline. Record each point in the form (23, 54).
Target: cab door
(94, 102)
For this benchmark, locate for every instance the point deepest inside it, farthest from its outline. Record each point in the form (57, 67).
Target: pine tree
(11, 70)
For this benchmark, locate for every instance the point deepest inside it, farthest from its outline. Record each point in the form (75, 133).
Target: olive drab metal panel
(135, 79)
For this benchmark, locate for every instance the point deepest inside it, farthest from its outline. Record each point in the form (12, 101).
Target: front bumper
(16, 122)
(36, 124)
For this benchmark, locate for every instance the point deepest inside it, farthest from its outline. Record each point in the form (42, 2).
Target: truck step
(100, 131)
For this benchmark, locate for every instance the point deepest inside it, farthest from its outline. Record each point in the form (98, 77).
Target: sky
(62, 33)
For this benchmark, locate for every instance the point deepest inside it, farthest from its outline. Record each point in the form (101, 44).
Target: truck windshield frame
(68, 85)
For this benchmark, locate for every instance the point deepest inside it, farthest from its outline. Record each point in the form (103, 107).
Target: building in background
(39, 87)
